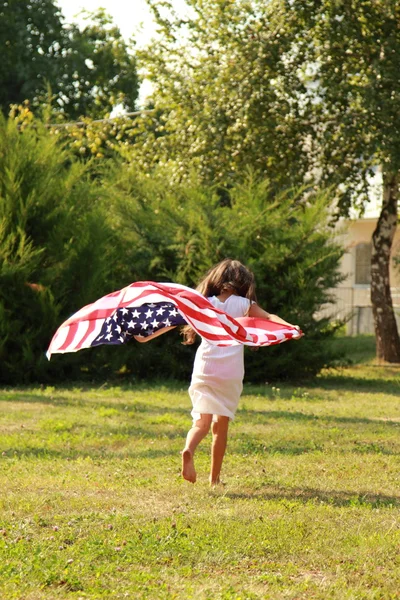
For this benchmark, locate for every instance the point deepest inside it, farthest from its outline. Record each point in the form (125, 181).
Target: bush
(177, 233)
(56, 249)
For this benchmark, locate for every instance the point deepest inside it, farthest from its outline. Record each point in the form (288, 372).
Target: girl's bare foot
(188, 470)
(216, 483)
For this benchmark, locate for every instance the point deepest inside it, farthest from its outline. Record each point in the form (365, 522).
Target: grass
(92, 504)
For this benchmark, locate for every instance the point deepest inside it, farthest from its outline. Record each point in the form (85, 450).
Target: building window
(363, 264)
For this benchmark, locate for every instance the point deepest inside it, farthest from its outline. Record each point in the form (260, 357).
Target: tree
(102, 138)
(226, 94)
(98, 71)
(352, 53)
(302, 90)
(88, 71)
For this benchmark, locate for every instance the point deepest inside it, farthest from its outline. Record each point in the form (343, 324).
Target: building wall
(351, 300)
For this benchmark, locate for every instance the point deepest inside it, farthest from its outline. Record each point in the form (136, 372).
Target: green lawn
(92, 504)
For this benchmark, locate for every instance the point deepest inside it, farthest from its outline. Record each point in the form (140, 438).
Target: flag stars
(143, 320)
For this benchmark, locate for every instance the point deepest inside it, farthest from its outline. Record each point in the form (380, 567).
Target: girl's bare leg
(220, 437)
(199, 430)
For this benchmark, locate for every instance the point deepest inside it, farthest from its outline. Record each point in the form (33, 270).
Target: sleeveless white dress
(217, 378)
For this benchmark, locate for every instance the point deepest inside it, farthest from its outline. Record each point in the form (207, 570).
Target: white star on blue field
(143, 321)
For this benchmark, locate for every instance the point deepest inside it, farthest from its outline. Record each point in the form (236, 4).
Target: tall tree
(226, 95)
(88, 70)
(352, 51)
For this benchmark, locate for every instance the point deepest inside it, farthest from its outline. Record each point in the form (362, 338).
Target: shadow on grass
(331, 497)
(332, 380)
(247, 415)
(92, 453)
(131, 404)
(246, 444)
(349, 383)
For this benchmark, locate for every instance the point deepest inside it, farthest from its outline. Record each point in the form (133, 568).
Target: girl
(217, 378)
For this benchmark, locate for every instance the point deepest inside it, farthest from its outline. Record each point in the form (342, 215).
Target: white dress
(217, 378)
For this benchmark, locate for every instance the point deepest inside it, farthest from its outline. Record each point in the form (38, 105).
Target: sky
(133, 17)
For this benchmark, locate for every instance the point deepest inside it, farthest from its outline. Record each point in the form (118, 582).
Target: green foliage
(227, 95)
(175, 233)
(89, 70)
(97, 138)
(71, 233)
(56, 251)
(29, 34)
(353, 53)
(98, 71)
(352, 50)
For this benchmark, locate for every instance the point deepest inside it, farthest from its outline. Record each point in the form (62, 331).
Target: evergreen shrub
(175, 233)
(56, 249)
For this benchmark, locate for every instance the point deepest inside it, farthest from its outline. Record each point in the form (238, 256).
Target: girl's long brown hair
(228, 275)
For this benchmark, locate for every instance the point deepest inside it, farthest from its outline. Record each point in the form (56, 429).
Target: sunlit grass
(92, 504)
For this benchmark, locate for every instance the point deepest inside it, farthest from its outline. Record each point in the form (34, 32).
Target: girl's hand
(143, 340)
(299, 330)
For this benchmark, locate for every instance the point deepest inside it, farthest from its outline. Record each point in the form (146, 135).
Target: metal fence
(353, 304)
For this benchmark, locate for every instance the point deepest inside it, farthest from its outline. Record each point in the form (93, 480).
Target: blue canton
(143, 320)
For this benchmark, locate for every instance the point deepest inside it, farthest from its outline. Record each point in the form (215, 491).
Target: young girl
(217, 378)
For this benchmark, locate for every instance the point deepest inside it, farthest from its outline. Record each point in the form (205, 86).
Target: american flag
(143, 321)
(144, 307)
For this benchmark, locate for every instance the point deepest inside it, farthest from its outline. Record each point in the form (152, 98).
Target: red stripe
(90, 329)
(70, 336)
(264, 324)
(240, 332)
(98, 313)
(214, 322)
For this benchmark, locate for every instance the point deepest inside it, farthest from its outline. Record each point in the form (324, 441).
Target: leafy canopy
(88, 71)
(352, 50)
(227, 95)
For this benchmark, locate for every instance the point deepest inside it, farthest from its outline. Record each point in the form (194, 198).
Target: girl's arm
(143, 339)
(257, 312)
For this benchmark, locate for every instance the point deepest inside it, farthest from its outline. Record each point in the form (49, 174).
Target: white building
(353, 295)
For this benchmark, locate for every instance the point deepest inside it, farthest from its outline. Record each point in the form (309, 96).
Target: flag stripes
(117, 317)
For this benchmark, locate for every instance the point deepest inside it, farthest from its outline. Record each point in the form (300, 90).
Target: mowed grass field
(93, 506)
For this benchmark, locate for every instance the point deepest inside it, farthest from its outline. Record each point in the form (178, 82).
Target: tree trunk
(387, 336)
